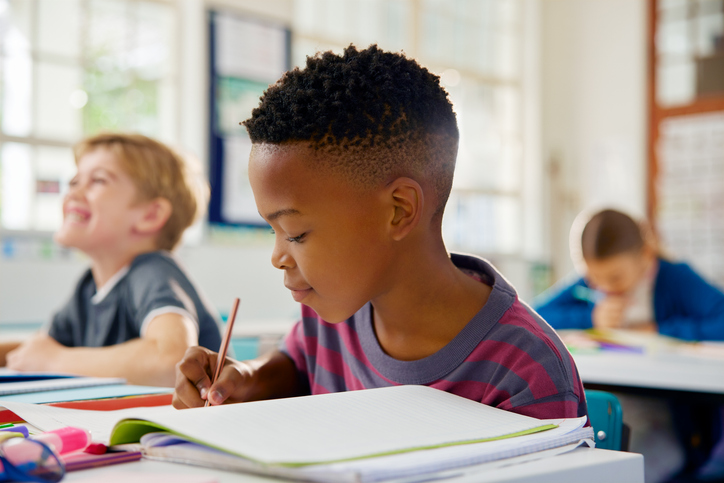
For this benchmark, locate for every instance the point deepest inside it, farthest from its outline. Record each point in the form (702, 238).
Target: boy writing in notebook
(134, 312)
(352, 163)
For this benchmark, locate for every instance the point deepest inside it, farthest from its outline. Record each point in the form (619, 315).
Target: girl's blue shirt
(685, 305)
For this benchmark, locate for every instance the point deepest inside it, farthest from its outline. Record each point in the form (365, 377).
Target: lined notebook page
(344, 425)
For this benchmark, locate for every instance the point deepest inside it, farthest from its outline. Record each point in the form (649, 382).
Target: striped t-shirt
(506, 356)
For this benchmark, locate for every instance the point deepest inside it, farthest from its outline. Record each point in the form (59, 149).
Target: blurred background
(563, 105)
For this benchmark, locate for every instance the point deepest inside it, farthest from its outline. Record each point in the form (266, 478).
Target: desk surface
(582, 464)
(655, 371)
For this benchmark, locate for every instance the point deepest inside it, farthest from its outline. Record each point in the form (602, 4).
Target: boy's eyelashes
(297, 239)
(95, 179)
(293, 239)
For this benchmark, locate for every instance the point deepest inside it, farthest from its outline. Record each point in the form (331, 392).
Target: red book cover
(111, 404)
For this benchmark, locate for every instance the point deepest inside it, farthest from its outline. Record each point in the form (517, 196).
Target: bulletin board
(686, 131)
(245, 56)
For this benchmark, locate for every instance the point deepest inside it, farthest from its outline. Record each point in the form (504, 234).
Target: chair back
(606, 416)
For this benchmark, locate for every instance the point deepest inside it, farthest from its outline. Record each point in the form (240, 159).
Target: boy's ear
(407, 202)
(156, 213)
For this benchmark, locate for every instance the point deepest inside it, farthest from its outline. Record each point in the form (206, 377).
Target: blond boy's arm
(149, 360)
(6, 347)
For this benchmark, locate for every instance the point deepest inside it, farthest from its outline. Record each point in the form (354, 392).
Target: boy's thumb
(217, 395)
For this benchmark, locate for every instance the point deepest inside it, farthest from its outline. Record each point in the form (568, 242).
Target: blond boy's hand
(608, 313)
(193, 380)
(35, 354)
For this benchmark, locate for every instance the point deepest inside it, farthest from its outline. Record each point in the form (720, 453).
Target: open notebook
(398, 430)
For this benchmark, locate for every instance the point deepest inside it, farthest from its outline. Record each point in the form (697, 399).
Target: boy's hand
(608, 313)
(193, 380)
(35, 354)
(648, 328)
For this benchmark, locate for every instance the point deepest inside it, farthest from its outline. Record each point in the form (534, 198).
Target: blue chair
(606, 416)
(244, 348)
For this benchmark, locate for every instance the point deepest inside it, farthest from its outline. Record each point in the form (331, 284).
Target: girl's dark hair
(609, 233)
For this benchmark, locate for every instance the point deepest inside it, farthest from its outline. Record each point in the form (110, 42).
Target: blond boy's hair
(158, 172)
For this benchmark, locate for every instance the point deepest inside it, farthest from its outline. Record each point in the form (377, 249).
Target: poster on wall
(246, 55)
(690, 214)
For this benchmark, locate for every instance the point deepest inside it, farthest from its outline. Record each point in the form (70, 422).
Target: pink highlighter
(65, 440)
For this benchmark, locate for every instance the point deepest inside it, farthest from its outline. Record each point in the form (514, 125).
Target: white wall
(31, 290)
(246, 272)
(593, 111)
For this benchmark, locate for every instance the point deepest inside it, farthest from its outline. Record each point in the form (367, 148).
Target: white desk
(673, 372)
(582, 464)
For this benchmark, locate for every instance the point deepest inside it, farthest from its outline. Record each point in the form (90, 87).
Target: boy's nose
(75, 189)
(280, 257)
(74, 192)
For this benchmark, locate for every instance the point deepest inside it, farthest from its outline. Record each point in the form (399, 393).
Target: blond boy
(134, 312)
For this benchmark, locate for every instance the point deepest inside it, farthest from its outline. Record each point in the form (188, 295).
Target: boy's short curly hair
(158, 172)
(374, 114)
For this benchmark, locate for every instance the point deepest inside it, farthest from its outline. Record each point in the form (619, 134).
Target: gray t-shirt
(152, 285)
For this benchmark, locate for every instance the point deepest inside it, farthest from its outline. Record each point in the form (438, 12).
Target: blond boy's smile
(77, 215)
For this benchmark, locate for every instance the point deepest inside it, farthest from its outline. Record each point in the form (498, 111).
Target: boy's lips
(77, 215)
(299, 294)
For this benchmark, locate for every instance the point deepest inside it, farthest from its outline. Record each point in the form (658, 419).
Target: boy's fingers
(614, 305)
(186, 396)
(192, 377)
(618, 300)
(230, 386)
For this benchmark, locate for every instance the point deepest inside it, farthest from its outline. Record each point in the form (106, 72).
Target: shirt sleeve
(562, 309)
(699, 310)
(292, 346)
(61, 327)
(561, 405)
(155, 290)
(68, 325)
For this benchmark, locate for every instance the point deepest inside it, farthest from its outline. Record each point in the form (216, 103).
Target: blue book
(31, 377)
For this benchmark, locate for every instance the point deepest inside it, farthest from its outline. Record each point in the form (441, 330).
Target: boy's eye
(99, 180)
(297, 239)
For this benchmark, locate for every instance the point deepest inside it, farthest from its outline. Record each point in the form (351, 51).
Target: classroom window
(69, 69)
(475, 46)
(689, 50)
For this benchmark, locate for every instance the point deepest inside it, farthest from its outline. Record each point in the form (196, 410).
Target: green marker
(8, 425)
(587, 294)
